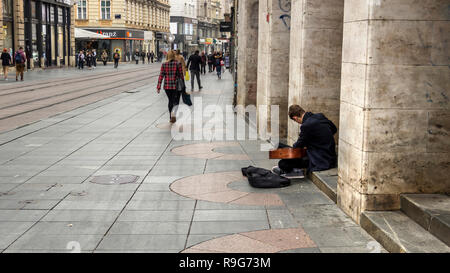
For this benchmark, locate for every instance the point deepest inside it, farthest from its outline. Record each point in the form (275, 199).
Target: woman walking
(6, 62)
(104, 57)
(171, 70)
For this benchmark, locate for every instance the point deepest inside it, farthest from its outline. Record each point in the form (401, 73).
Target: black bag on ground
(262, 178)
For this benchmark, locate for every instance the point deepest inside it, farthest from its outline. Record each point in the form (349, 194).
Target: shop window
(106, 10)
(81, 10)
(60, 15)
(33, 9)
(7, 8)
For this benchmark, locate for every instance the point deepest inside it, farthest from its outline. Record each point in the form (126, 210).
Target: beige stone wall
(19, 26)
(394, 114)
(273, 62)
(247, 52)
(1, 25)
(315, 58)
(151, 15)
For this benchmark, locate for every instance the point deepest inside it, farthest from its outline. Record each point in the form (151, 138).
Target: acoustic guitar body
(287, 153)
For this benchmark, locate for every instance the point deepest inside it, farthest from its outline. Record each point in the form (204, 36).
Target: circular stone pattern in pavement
(114, 179)
(263, 241)
(205, 151)
(213, 187)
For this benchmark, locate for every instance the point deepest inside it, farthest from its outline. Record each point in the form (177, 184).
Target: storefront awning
(84, 34)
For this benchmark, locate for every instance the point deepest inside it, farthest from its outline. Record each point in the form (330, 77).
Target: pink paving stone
(261, 199)
(221, 197)
(194, 250)
(236, 244)
(284, 239)
(213, 187)
(205, 151)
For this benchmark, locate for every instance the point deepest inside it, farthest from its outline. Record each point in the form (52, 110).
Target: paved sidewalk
(189, 195)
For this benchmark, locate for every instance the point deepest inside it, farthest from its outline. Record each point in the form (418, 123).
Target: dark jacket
(195, 62)
(316, 134)
(6, 59)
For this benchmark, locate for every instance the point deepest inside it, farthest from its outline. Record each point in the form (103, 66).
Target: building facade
(44, 28)
(130, 25)
(196, 24)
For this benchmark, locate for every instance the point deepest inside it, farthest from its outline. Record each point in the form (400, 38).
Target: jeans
(195, 73)
(116, 63)
(203, 69)
(219, 70)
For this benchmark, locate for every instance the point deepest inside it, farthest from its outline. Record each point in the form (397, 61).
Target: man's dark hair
(196, 52)
(20, 47)
(295, 111)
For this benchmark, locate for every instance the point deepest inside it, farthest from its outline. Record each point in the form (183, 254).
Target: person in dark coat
(203, 67)
(6, 62)
(194, 63)
(316, 135)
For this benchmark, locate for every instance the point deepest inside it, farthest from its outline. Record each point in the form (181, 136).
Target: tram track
(53, 94)
(15, 113)
(62, 81)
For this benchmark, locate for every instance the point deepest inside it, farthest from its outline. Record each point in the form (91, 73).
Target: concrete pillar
(394, 114)
(247, 52)
(273, 62)
(315, 58)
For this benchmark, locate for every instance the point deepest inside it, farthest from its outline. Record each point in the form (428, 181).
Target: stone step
(398, 233)
(327, 181)
(431, 211)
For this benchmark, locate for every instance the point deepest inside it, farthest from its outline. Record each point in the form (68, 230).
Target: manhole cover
(114, 179)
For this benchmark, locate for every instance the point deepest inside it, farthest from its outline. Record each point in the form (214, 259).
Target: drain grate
(114, 179)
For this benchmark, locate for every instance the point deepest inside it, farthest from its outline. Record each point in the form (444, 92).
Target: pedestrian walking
(6, 62)
(194, 63)
(143, 57)
(136, 56)
(20, 58)
(94, 58)
(179, 57)
(210, 62)
(203, 65)
(171, 70)
(152, 56)
(89, 59)
(148, 57)
(81, 60)
(219, 63)
(104, 57)
(116, 58)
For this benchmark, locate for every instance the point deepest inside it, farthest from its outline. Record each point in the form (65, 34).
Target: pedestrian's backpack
(116, 55)
(262, 178)
(18, 58)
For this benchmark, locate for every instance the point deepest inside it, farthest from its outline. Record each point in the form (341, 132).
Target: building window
(81, 9)
(106, 9)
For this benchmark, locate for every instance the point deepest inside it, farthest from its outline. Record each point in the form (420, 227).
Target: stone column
(273, 62)
(247, 52)
(395, 118)
(315, 58)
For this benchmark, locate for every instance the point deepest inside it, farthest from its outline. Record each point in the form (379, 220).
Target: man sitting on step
(316, 135)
